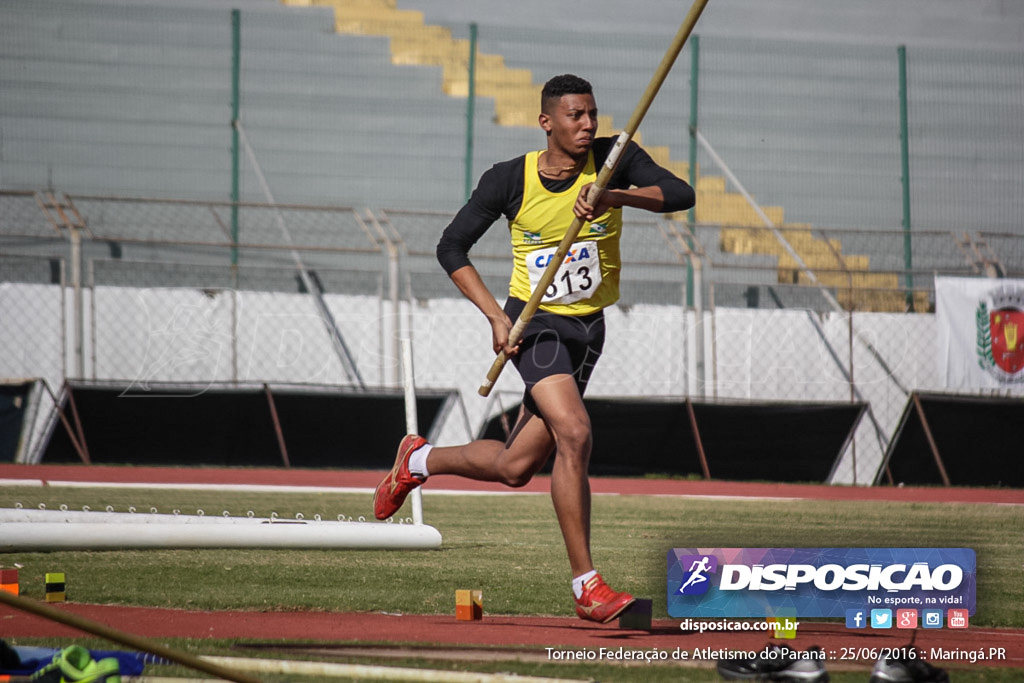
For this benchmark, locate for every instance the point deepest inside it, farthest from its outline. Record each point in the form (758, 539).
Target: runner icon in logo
(696, 581)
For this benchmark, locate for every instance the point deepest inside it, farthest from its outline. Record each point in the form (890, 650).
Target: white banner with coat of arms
(980, 325)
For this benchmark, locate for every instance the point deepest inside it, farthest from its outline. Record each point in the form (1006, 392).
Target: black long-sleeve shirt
(500, 192)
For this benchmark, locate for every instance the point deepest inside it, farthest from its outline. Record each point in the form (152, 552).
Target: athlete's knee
(518, 480)
(518, 472)
(518, 475)
(575, 440)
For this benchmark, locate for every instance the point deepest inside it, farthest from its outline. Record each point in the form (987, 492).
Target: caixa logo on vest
(999, 319)
(816, 582)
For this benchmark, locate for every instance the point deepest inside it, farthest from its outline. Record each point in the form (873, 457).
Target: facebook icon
(856, 618)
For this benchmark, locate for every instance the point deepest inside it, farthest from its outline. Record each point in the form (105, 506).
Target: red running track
(527, 632)
(540, 484)
(843, 646)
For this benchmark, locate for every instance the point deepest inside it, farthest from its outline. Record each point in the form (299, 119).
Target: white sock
(418, 461)
(577, 583)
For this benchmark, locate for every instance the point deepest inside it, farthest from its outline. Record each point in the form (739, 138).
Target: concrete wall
(147, 336)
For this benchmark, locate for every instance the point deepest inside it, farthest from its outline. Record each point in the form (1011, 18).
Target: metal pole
(63, 319)
(714, 345)
(697, 440)
(932, 445)
(84, 451)
(236, 64)
(92, 318)
(234, 336)
(470, 110)
(79, 315)
(694, 91)
(412, 425)
(77, 438)
(337, 340)
(276, 420)
(767, 221)
(905, 177)
(853, 390)
(390, 343)
(698, 327)
(396, 313)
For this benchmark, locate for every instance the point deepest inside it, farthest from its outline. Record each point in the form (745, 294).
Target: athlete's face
(571, 124)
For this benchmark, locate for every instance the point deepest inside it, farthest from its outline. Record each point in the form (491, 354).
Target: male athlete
(539, 193)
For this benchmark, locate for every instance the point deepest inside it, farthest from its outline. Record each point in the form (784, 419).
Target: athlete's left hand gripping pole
(603, 178)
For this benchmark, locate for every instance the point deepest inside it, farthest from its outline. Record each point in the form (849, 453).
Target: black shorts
(556, 345)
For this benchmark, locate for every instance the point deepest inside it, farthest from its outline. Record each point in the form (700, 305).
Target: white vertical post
(411, 421)
(698, 314)
(79, 314)
(396, 315)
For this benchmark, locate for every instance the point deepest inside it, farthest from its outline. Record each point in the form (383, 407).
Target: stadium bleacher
(132, 98)
(360, 118)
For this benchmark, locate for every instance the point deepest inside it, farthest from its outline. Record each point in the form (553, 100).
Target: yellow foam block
(784, 624)
(55, 587)
(469, 605)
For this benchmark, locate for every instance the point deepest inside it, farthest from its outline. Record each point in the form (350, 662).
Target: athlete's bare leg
(513, 462)
(565, 428)
(560, 403)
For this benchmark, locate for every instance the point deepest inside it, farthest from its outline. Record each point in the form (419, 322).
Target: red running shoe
(391, 492)
(599, 602)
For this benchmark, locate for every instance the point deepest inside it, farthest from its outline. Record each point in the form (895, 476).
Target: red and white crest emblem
(1007, 327)
(1000, 344)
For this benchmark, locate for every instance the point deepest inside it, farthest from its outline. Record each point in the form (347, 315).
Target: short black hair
(566, 84)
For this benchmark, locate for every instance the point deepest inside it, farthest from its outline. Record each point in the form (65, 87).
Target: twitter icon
(881, 618)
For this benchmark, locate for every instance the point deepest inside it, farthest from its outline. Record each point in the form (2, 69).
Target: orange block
(469, 605)
(9, 581)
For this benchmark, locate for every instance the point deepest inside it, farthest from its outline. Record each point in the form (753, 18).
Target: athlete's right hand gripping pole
(594, 194)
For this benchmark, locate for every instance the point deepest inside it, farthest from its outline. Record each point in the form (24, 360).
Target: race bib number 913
(577, 278)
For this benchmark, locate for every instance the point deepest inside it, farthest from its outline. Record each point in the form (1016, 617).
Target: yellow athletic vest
(541, 223)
